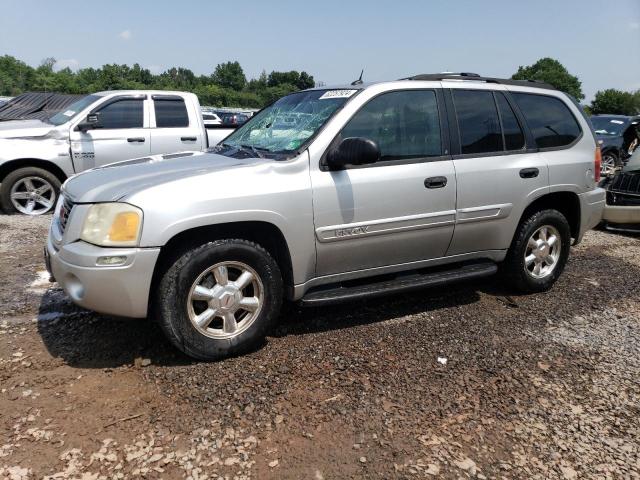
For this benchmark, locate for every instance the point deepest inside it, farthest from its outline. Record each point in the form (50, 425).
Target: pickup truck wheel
(219, 299)
(539, 252)
(30, 191)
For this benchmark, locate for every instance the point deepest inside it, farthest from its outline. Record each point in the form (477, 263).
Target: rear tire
(29, 191)
(203, 308)
(539, 252)
(610, 163)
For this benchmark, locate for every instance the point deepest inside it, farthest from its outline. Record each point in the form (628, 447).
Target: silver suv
(333, 194)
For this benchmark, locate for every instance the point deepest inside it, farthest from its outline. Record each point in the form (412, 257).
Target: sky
(597, 40)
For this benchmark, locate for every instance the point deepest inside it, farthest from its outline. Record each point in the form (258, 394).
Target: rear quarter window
(550, 120)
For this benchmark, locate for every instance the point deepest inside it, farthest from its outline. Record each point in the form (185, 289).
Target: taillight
(597, 164)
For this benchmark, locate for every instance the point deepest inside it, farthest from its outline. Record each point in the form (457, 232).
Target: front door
(394, 212)
(121, 134)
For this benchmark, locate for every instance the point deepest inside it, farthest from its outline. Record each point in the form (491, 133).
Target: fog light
(111, 261)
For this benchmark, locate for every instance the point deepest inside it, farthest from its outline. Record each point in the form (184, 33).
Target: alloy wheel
(543, 252)
(225, 300)
(32, 195)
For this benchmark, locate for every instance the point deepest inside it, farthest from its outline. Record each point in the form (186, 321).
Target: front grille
(626, 183)
(65, 210)
(624, 190)
(623, 200)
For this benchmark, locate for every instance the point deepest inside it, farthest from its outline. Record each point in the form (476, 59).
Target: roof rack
(478, 78)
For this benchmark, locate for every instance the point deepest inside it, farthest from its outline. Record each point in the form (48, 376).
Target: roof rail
(477, 78)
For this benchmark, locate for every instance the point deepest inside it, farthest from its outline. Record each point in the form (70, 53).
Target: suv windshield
(72, 110)
(288, 123)
(608, 126)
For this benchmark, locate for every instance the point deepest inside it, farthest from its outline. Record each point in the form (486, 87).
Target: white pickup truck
(101, 128)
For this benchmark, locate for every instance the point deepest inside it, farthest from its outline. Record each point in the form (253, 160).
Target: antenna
(359, 80)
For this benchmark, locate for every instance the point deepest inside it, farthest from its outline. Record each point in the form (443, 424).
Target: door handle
(529, 172)
(435, 182)
(188, 139)
(135, 139)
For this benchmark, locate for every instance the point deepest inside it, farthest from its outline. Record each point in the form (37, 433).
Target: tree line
(228, 86)
(610, 101)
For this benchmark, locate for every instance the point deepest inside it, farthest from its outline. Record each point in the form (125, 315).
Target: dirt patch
(469, 381)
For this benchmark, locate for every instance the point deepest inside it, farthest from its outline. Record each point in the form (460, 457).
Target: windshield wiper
(253, 149)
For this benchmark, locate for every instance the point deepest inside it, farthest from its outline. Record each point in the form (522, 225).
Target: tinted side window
(513, 136)
(478, 121)
(171, 113)
(404, 124)
(122, 114)
(551, 122)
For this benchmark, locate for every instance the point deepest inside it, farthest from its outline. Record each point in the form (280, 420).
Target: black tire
(16, 176)
(171, 300)
(514, 268)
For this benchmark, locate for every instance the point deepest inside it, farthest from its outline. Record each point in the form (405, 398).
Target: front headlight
(112, 225)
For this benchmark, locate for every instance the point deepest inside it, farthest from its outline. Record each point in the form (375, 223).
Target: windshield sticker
(619, 122)
(337, 94)
(69, 113)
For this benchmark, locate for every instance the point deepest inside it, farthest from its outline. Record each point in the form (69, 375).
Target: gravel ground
(468, 381)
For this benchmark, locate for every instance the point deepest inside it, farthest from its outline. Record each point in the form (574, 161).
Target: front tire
(219, 299)
(539, 252)
(29, 191)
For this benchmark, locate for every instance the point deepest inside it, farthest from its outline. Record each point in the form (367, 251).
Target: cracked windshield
(287, 124)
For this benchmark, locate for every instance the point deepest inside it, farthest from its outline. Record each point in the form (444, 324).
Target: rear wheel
(610, 162)
(30, 191)
(539, 251)
(219, 299)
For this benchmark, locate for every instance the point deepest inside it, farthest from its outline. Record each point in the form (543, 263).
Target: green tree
(552, 72)
(301, 80)
(227, 86)
(16, 77)
(229, 75)
(616, 102)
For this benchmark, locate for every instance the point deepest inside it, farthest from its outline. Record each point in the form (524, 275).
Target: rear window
(171, 113)
(478, 121)
(513, 135)
(549, 118)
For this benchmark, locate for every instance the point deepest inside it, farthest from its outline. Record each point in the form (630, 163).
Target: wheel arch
(266, 234)
(565, 202)
(7, 167)
(611, 149)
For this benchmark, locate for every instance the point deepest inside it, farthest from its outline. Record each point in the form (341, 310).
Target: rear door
(498, 173)
(399, 210)
(122, 133)
(175, 126)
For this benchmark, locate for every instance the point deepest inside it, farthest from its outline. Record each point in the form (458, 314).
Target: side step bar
(401, 283)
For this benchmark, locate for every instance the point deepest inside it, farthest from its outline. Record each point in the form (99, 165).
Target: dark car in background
(233, 119)
(622, 210)
(618, 137)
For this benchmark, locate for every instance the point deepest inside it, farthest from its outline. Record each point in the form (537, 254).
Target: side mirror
(353, 151)
(92, 121)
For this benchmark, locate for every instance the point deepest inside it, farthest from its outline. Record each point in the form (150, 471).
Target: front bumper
(621, 214)
(592, 204)
(116, 290)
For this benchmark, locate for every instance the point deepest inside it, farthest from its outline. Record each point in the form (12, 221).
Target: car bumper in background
(621, 214)
(121, 290)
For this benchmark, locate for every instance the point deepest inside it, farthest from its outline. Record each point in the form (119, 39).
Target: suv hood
(116, 181)
(24, 129)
